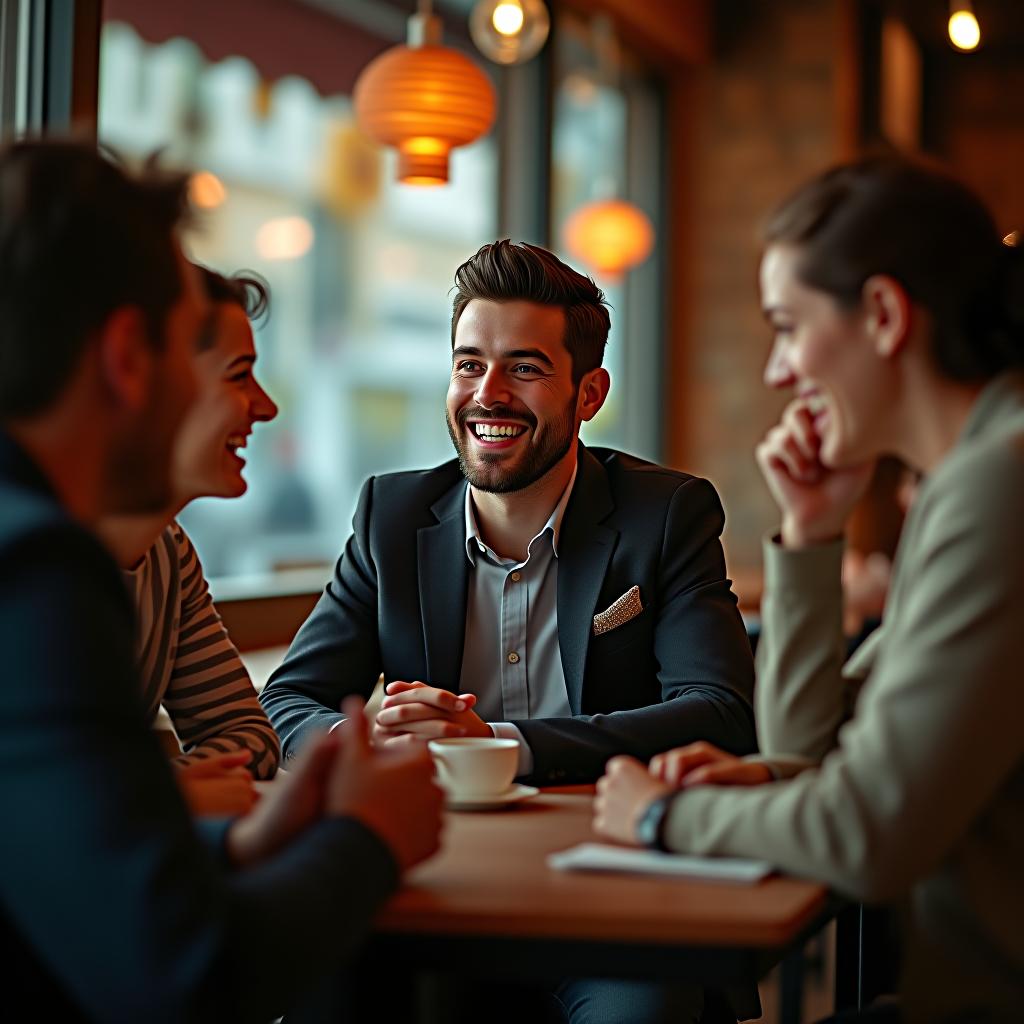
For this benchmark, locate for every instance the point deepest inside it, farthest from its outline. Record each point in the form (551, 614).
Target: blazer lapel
(585, 548)
(443, 577)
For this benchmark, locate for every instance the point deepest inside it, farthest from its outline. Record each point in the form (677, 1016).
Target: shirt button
(516, 577)
(513, 658)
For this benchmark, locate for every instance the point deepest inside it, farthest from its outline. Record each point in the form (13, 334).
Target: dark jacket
(111, 906)
(680, 671)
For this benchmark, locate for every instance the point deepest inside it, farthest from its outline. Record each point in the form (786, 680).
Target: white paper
(599, 857)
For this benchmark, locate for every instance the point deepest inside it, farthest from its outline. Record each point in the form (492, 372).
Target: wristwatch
(650, 828)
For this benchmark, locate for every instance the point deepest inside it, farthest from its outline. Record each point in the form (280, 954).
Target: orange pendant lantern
(424, 99)
(611, 236)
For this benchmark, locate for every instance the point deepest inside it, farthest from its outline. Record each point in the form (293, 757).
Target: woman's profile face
(826, 354)
(230, 401)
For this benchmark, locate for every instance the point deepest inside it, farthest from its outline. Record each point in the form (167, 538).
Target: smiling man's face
(512, 404)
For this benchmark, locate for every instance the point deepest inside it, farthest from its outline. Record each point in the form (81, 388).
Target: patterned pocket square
(619, 612)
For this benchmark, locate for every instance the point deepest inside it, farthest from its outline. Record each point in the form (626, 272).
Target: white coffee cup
(475, 767)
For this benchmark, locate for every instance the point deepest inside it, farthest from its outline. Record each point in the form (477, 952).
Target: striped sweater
(187, 662)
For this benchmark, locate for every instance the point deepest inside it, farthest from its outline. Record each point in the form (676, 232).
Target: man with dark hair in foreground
(573, 599)
(111, 907)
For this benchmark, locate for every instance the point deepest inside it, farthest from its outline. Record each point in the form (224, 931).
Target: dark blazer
(112, 908)
(680, 671)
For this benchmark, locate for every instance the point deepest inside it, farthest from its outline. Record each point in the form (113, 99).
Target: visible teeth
(815, 404)
(495, 430)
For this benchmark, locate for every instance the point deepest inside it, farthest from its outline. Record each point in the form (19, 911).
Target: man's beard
(138, 470)
(491, 476)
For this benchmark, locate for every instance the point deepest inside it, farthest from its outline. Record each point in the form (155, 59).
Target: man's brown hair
(79, 238)
(505, 271)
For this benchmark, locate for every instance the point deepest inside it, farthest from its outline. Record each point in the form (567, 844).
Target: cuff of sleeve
(319, 724)
(815, 568)
(363, 845)
(682, 827)
(213, 832)
(508, 731)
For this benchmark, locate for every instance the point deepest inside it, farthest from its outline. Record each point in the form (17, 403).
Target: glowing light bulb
(964, 31)
(206, 190)
(509, 31)
(507, 18)
(609, 235)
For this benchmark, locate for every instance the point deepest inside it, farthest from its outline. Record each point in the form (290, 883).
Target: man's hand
(289, 807)
(392, 792)
(340, 775)
(218, 786)
(415, 711)
(701, 764)
(624, 792)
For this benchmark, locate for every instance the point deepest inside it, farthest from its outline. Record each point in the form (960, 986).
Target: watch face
(648, 829)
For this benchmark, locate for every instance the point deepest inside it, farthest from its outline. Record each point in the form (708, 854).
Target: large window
(606, 143)
(355, 351)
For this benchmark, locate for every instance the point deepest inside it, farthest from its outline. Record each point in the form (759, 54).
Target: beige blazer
(919, 796)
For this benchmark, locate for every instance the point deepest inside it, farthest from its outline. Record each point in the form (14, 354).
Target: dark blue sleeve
(102, 874)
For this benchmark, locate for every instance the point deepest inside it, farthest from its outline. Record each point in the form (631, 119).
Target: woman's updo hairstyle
(890, 215)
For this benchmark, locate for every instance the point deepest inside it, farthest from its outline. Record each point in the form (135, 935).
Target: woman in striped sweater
(187, 662)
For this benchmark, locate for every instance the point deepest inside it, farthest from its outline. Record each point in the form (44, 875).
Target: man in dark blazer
(114, 904)
(646, 645)
(574, 599)
(397, 604)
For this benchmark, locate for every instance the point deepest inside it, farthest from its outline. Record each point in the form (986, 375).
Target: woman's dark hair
(504, 271)
(246, 289)
(75, 224)
(894, 216)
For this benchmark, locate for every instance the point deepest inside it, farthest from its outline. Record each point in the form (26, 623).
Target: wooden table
(490, 904)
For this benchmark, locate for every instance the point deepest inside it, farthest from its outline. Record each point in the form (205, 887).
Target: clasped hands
(341, 775)
(628, 788)
(412, 712)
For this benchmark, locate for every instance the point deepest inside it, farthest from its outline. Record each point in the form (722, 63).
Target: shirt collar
(474, 542)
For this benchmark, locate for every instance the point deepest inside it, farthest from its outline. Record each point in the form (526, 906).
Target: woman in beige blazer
(898, 315)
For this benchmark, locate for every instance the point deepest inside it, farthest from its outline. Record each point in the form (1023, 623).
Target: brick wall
(980, 130)
(766, 117)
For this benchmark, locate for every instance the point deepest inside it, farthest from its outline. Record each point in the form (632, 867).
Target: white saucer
(513, 794)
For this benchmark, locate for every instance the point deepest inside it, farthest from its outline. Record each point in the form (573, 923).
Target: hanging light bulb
(964, 31)
(507, 17)
(509, 31)
(424, 99)
(610, 235)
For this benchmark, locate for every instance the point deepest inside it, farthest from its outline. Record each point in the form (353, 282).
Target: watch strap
(650, 829)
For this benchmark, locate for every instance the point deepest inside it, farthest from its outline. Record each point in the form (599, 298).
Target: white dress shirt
(511, 659)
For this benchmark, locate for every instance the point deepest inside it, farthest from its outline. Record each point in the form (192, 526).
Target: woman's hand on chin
(815, 501)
